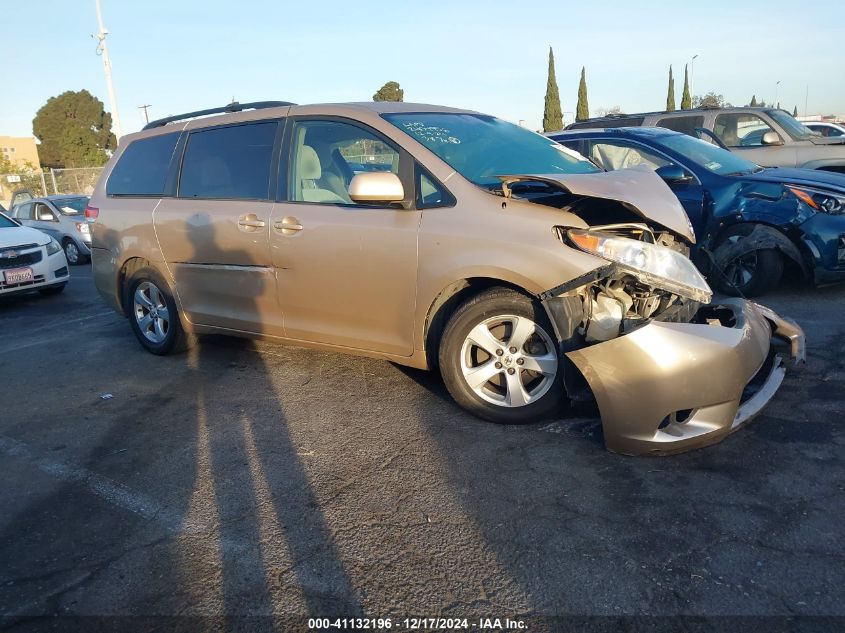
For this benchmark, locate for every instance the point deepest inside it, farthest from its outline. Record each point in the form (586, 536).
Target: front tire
(72, 253)
(752, 274)
(153, 314)
(500, 359)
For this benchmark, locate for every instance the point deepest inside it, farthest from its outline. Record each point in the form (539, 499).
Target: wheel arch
(775, 237)
(448, 300)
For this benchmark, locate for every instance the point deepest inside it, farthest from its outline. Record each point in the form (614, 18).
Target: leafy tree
(762, 104)
(582, 110)
(795, 111)
(552, 115)
(389, 92)
(753, 103)
(686, 100)
(710, 100)
(670, 97)
(74, 130)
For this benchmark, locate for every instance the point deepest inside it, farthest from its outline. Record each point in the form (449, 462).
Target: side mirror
(672, 173)
(46, 216)
(771, 138)
(376, 186)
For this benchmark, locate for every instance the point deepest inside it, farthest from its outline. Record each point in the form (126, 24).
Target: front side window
(430, 193)
(326, 155)
(142, 168)
(797, 130)
(481, 147)
(741, 129)
(613, 155)
(229, 163)
(682, 124)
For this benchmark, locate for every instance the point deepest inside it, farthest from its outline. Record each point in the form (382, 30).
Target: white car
(30, 260)
(826, 129)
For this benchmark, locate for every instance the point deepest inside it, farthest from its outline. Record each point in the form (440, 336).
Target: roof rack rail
(232, 107)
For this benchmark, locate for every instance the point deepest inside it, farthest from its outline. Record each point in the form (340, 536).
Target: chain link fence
(50, 182)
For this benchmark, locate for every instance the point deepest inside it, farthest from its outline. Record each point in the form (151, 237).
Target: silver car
(61, 217)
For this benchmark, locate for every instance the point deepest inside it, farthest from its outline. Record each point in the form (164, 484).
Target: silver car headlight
(53, 247)
(650, 263)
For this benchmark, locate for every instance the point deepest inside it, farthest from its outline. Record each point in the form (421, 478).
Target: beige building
(20, 150)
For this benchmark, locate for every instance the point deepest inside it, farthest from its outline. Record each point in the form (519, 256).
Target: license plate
(18, 275)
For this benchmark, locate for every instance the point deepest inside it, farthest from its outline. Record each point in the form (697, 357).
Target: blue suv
(749, 221)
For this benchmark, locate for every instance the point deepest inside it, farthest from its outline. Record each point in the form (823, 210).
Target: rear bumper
(670, 387)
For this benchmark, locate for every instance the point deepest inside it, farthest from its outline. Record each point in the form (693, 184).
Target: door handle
(250, 222)
(288, 226)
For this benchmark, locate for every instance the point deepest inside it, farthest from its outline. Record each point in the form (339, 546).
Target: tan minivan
(434, 237)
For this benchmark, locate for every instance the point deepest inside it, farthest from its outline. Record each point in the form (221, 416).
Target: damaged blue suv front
(750, 222)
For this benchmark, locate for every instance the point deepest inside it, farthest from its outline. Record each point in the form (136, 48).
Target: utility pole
(692, 75)
(103, 50)
(144, 108)
(777, 90)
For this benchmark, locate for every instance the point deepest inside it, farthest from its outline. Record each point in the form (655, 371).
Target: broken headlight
(824, 201)
(650, 263)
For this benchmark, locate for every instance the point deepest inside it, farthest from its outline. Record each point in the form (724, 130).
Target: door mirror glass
(45, 215)
(771, 138)
(672, 173)
(376, 186)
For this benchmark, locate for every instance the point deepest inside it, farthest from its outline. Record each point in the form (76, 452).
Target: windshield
(6, 223)
(481, 147)
(797, 130)
(70, 206)
(715, 159)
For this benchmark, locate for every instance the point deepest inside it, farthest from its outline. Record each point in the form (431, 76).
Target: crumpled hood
(20, 235)
(808, 177)
(639, 188)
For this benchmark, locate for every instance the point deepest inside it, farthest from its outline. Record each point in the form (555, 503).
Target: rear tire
(500, 359)
(153, 314)
(753, 274)
(72, 253)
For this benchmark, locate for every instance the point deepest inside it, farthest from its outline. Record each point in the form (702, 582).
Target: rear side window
(142, 168)
(683, 124)
(228, 163)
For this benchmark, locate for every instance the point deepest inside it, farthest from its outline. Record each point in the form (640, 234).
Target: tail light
(91, 213)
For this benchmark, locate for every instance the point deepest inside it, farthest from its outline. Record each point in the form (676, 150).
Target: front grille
(25, 259)
(39, 279)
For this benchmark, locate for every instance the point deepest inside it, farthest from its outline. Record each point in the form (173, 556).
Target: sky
(491, 56)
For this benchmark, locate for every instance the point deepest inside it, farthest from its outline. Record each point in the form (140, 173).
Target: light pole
(777, 89)
(144, 108)
(692, 74)
(103, 50)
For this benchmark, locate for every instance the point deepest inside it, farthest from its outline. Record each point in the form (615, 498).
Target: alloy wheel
(509, 361)
(151, 313)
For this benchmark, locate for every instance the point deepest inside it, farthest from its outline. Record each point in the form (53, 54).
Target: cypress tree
(670, 98)
(552, 116)
(582, 110)
(686, 99)
(753, 103)
(795, 111)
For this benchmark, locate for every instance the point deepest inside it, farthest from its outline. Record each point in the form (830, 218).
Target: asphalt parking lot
(249, 479)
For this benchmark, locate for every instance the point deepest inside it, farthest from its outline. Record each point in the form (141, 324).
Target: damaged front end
(670, 371)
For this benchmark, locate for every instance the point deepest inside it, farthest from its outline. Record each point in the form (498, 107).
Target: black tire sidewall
(174, 332)
(766, 275)
(498, 301)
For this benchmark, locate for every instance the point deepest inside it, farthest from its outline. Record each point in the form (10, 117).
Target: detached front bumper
(670, 387)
